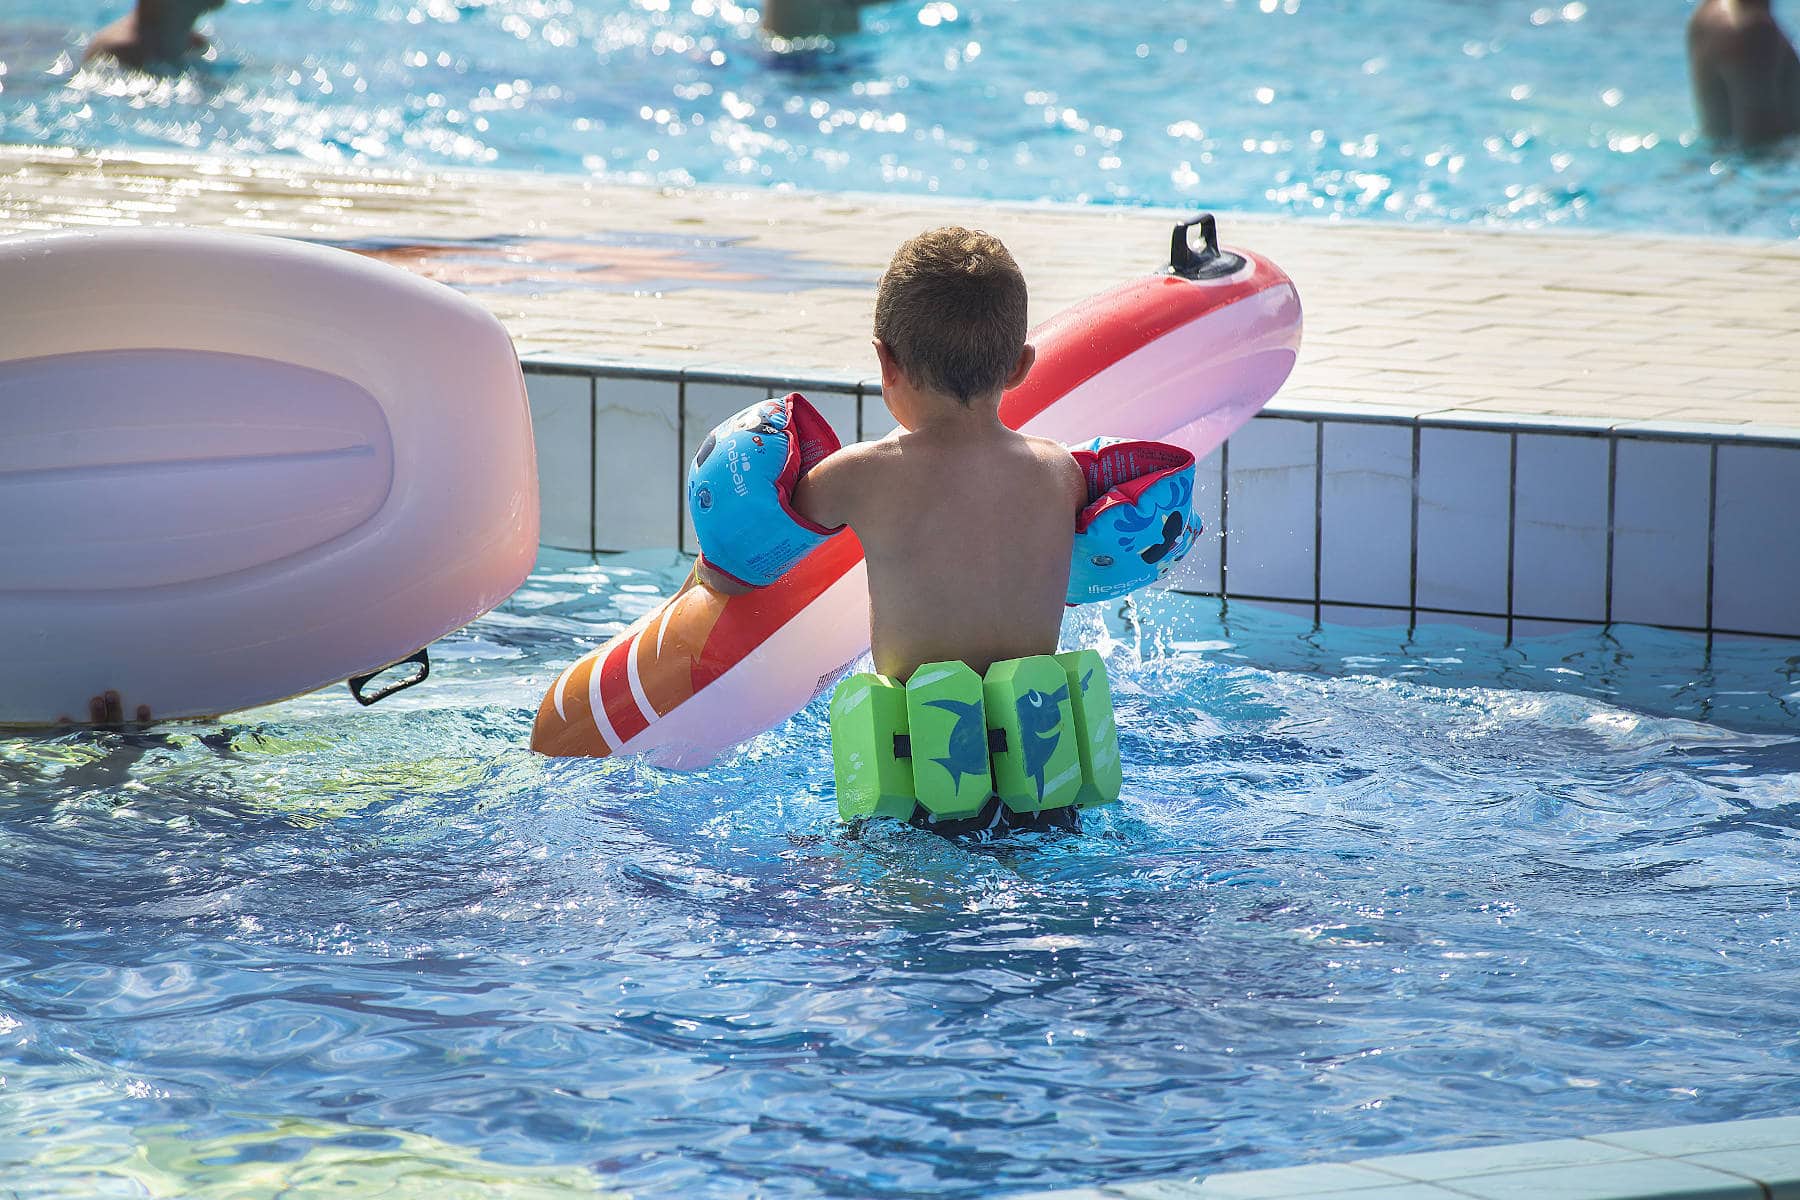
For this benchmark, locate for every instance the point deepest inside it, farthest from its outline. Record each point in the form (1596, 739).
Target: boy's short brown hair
(951, 310)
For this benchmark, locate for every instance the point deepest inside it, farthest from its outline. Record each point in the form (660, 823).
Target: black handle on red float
(1211, 262)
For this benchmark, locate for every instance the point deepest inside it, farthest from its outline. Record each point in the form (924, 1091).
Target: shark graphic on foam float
(1040, 728)
(968, 748)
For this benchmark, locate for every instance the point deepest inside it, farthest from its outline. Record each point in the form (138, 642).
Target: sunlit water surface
(1519, 112)
(1413, 903)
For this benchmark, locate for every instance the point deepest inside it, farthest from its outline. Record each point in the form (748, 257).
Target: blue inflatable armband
(1139, 520)
(741, 487)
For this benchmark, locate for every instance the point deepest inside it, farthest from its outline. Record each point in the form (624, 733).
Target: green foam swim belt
(868, 715)
(1038, 732)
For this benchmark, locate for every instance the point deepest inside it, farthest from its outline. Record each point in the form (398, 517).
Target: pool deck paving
(1733, 1160)
(1402, 321)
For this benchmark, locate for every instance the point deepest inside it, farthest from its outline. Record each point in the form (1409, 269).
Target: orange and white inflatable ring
(1186, 357)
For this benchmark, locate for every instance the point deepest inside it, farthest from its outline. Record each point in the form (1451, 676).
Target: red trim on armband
(1122, 472)
(810, 441)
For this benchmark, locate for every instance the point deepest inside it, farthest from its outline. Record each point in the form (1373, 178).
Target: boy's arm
(1074, 482)
(833, 493)
(836, 491)
(1071, 480)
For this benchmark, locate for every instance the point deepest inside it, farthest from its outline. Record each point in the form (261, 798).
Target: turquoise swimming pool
(1515, 112)
(1366, 893)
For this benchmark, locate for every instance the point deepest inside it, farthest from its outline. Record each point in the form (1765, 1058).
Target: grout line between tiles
(1224, 513)
(1612, 509)
(1712, 525)
(1512, 524)
(1318, 512)
(680, 461)
(1412, 571)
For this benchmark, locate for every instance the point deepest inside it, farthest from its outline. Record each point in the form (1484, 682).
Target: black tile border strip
(863, 388)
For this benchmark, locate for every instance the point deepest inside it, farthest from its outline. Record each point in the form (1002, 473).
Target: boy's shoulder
(1048, 447)
(860, 454)
(1062, 464)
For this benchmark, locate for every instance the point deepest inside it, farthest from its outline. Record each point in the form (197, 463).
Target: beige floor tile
(1486, 320)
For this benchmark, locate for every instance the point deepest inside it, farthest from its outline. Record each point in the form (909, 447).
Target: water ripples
(1331, 108)
(1334, 916)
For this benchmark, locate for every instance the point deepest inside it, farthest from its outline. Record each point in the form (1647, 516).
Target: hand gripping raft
(1185, 356)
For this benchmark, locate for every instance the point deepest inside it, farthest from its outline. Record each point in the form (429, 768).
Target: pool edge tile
(1365, 513)
(1640, 1178)
(1278, 1183)
(1661, 533)
(1756, 556)
(1776, 1168)
(1561, 508)
(1438, 1166)
(562, 422)
(1504, 422)
(1271, 512)
(1464, 549)
(637, 420)
(1681, 1140)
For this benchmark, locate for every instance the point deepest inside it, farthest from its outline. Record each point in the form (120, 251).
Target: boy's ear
(1027, 356)
(890, 367)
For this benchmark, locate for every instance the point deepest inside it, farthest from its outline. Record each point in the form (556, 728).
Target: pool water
(1512, 112)
(1389, 908)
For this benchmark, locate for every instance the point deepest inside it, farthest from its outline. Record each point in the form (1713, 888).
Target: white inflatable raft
(234, 469)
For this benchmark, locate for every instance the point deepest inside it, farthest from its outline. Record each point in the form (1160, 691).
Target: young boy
(967, 527)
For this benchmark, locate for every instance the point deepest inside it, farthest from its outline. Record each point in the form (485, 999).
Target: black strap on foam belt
(418, 657)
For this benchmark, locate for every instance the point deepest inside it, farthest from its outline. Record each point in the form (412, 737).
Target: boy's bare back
(966, 527)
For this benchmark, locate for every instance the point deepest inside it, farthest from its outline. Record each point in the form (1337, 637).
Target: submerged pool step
(1733, 1160)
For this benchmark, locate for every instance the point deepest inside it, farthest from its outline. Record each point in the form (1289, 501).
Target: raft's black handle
(1211, 262)
(357, 682)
